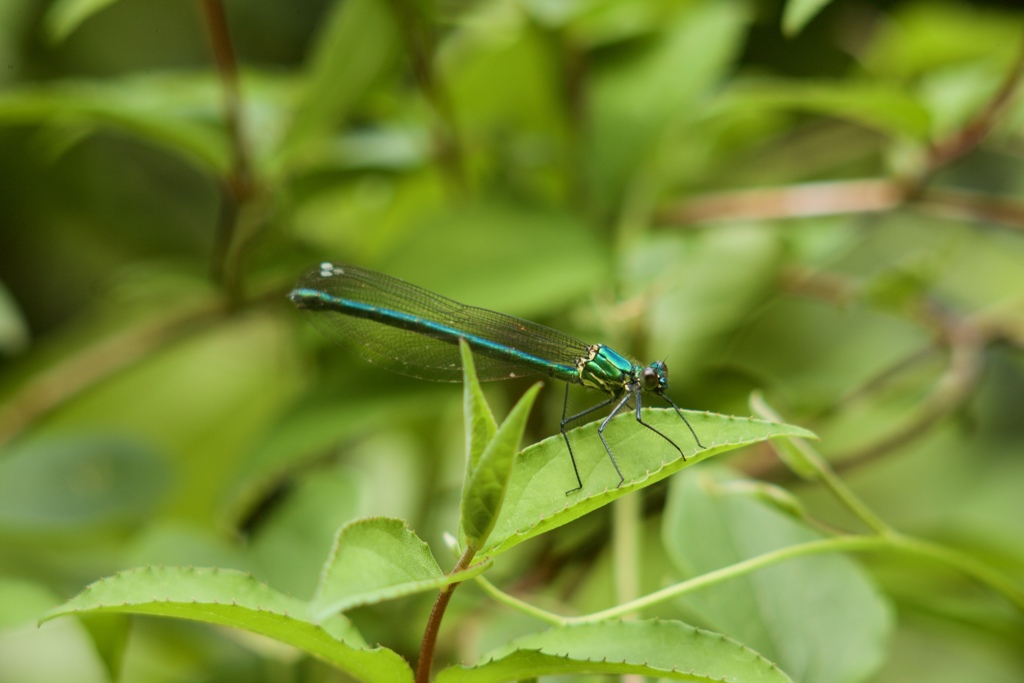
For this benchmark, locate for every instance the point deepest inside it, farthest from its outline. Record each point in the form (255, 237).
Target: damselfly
(412, 331)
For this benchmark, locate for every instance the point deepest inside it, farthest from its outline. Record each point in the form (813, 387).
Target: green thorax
(604, 369)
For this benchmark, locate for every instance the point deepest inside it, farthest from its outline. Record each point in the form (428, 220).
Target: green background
(588, 165)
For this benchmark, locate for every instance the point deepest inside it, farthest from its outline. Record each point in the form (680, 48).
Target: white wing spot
(327, 269)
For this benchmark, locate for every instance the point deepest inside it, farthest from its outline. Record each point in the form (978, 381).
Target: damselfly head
(655, 377)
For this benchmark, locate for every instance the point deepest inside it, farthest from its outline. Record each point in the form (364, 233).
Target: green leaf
(232, 598)
(819, 617)
(64, 16)
(667, 649)
(485, 490)
(480, 423)
(379, 559)
(926, 38)
(798, 13)
(358, 44)
(536, 499)
(888, 108)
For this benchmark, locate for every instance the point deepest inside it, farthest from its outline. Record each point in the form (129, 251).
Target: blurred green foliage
(818, 200)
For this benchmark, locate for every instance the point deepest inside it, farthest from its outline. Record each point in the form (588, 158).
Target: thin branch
(872, 195)
(944, 152)
(980, 572)
(239, 183)
(971, 206)
(574, 74)
(792, 201)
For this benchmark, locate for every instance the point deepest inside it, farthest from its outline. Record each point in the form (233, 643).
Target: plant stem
(748, 566)
(429, 642)
(239, 184)
(626, 547)
(517, 604)
(977, 570)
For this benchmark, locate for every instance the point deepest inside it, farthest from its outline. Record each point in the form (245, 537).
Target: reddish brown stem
(429, 644)
(239, 183)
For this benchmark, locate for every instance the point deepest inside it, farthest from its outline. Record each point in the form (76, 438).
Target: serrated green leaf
(485, 490)
(819, 617)
(667, 649)
(236, 599)
(536, 501)
(379, 559)
(64, 16)
(798, 13)
(480, 422)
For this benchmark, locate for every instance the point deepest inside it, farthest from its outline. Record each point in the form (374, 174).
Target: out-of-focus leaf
(358, 43)
(76, 484)
(292, 542)
(668, 650)
(23, 601)
(510, 259)
(177, 113)
(635, 98)
(885, 107)
(694, 302)
(922, 37)
(819, 617)
(303, 436)
(849, 347)
(219, 390)
(798, 13)
(602, 24)
(64, 16)
(109, 633)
